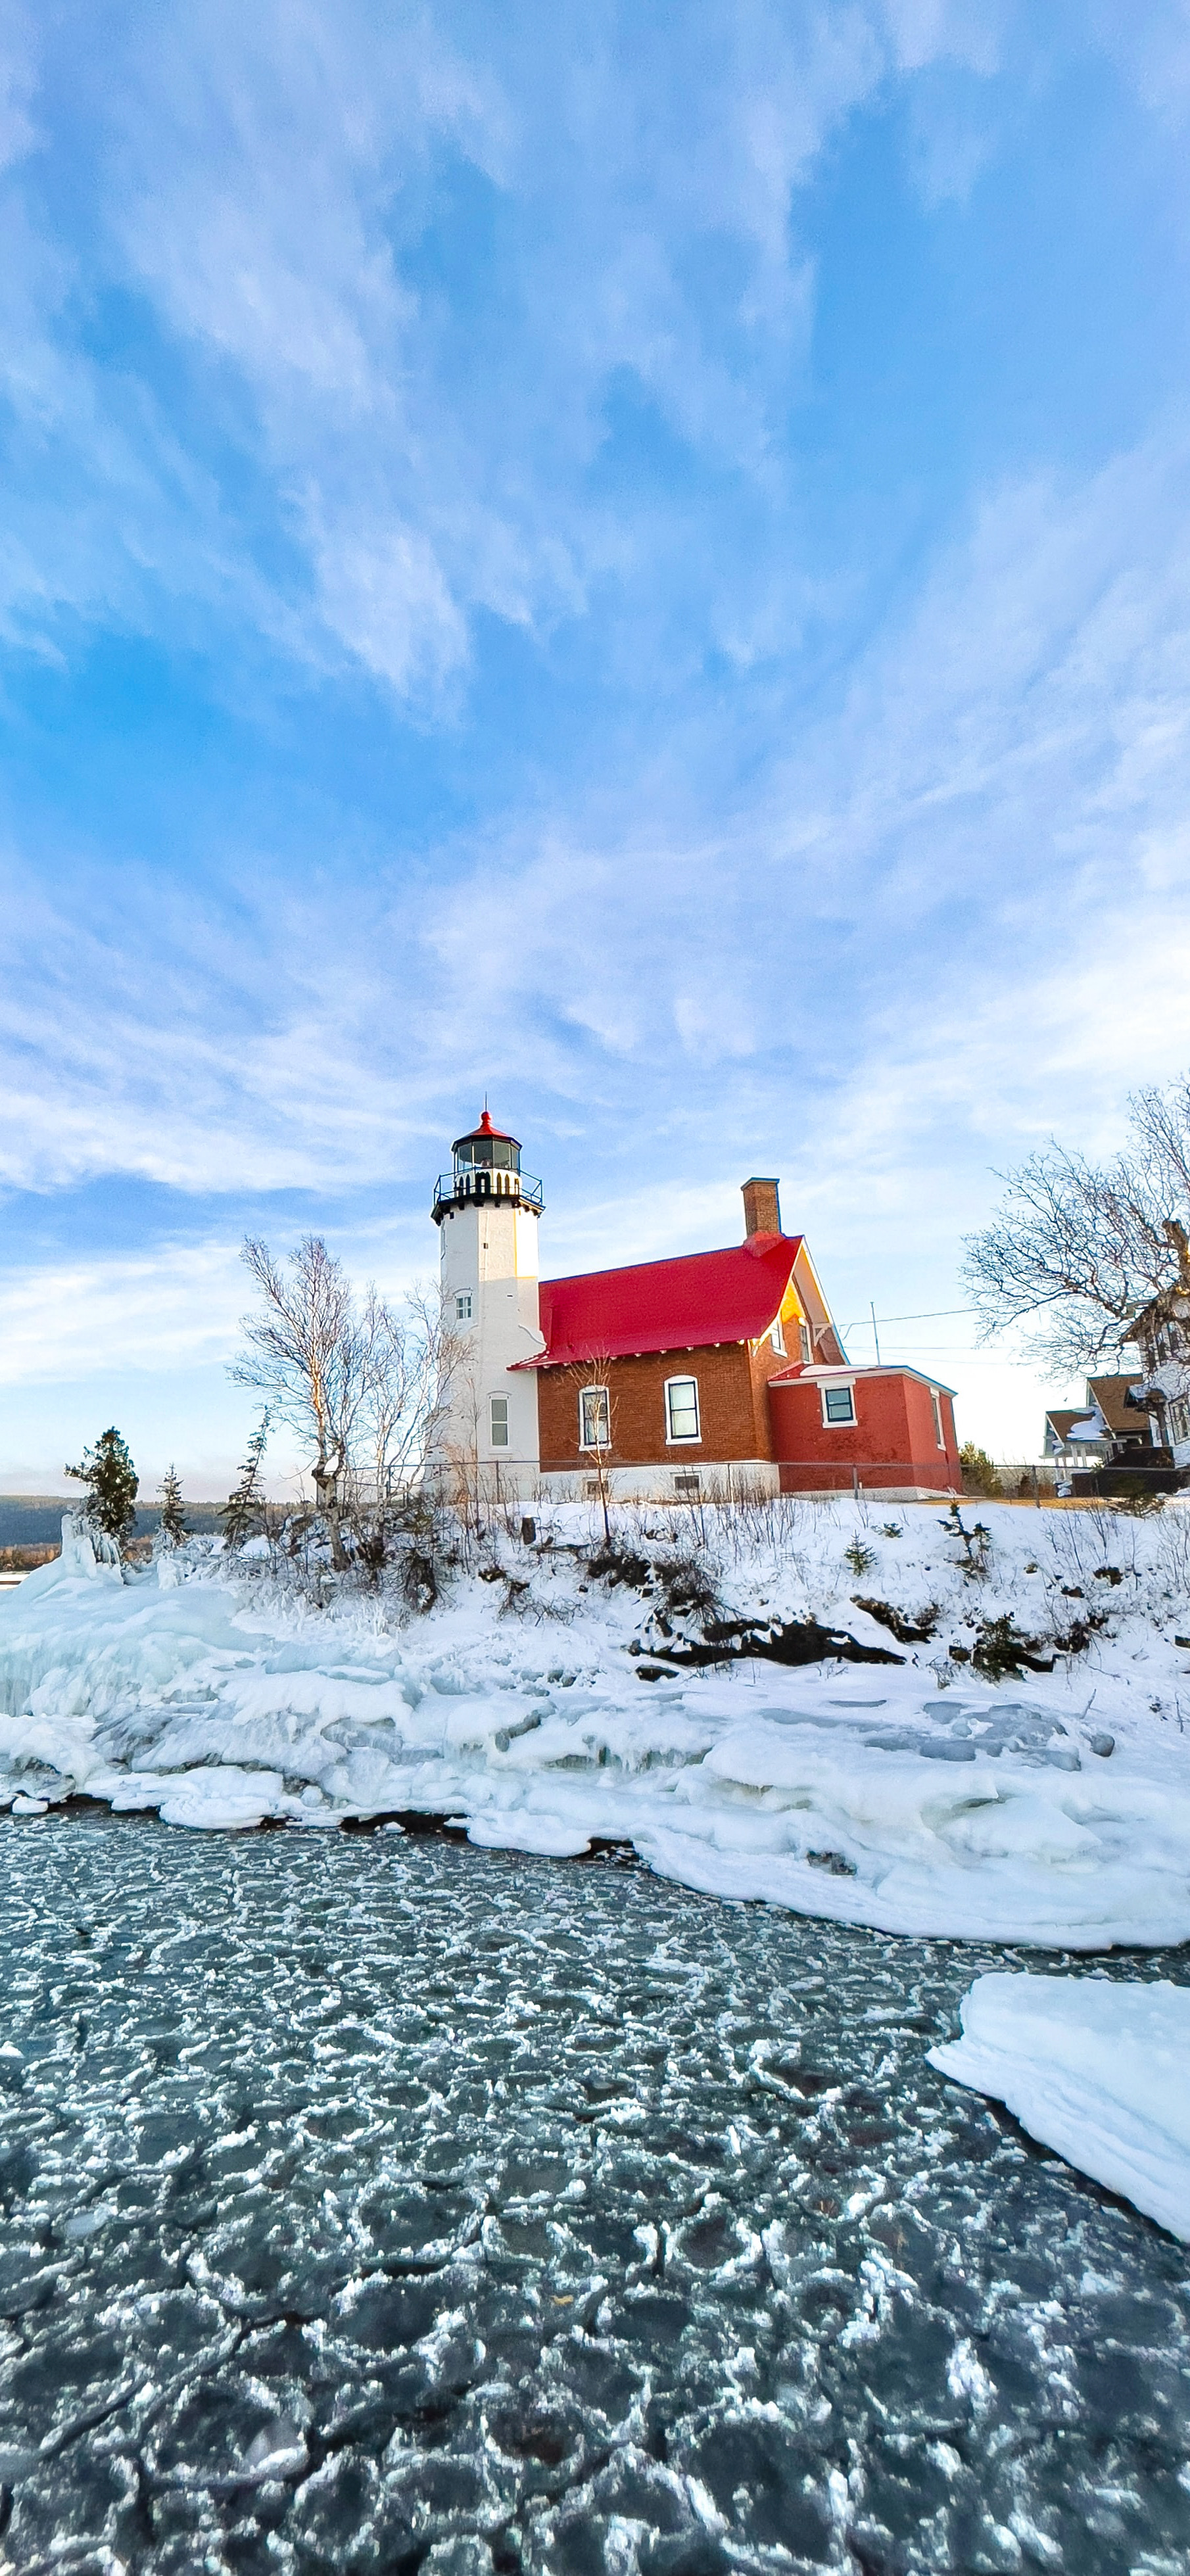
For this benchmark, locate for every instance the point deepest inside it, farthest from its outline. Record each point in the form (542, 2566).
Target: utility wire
(930, 1315)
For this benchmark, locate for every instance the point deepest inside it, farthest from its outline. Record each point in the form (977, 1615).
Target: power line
(930, 1315)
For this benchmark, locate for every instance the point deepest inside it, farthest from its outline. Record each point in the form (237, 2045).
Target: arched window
(594, 1417)
(681, 1409)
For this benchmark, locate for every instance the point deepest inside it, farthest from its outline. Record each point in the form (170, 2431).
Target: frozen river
(375, 2203)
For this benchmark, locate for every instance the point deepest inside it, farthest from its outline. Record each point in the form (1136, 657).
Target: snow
(1099, 2071)
(911, 1796)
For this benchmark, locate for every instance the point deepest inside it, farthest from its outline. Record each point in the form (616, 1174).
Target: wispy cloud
(173, 1309)
(609, 644)
(422, 443)
(998, 795)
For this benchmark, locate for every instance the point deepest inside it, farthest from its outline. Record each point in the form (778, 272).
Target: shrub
(979, 1474)
(975, 1542)
(1000, 1652)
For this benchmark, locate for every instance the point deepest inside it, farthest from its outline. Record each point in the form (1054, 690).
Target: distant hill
(34, 1520)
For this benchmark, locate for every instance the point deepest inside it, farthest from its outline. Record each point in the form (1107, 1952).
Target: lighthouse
(487, 1212)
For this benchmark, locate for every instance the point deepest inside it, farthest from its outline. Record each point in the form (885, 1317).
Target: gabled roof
(1108, 1393)
(705, 1297)
(1063, 1418)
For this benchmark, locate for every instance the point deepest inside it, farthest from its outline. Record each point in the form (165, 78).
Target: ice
(1096, 2069)
(978, 1811)
(375, 2204)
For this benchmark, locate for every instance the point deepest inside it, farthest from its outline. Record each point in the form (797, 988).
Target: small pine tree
(979, 1474)
(173, 1527)
(112, 1486)
(243, 1511)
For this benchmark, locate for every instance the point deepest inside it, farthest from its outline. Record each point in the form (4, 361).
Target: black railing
(474, 1181)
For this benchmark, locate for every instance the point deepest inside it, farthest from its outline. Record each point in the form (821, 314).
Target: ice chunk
(1097, 2069)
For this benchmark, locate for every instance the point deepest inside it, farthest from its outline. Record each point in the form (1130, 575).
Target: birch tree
(305, 1353)
(363, 1383)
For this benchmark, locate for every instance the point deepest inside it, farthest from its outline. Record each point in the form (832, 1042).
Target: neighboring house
(1162, 1333)
(1113, 1431)
(715, 1373)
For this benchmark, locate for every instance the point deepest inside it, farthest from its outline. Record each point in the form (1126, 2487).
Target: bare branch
(1080, 1248)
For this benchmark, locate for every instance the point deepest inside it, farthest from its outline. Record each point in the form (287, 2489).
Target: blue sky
(634, 560)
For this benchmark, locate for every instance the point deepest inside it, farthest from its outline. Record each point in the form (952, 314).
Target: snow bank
(1054, 1811)
(1099, 2071)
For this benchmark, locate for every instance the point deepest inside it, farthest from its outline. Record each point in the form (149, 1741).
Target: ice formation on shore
(1099, 2071)
(1054, 1811)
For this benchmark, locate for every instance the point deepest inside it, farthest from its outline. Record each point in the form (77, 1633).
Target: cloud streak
(518, 571)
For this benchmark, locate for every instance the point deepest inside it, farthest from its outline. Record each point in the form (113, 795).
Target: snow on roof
(1062, 1419)
(699, 1299)
(1109, 1394)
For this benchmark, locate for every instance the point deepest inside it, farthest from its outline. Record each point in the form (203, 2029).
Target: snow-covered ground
(916, 1796)
(1098, 2070)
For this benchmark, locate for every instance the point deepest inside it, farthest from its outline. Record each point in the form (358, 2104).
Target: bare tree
(1082, 1249)
(306, 1354)
(408, 1362)
(356, 1381)
(594, 1381)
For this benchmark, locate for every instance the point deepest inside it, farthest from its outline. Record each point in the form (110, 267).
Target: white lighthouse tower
(487, 1213)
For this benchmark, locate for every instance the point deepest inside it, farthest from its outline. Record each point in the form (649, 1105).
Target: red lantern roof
(485, 1128)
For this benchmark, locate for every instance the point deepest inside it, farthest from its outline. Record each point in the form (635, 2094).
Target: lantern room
(485, 1165)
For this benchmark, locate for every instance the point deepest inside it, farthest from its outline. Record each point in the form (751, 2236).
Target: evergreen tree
(979, 1474)
(173, 1527)
(243, 1511)
(112, 1485)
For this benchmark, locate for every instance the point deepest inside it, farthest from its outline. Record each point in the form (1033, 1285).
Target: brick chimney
(762, 1207)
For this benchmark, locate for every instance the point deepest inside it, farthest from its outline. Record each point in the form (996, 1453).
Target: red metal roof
(730, 1296)
(485, 1128)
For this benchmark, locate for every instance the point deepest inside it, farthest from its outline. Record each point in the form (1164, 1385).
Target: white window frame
(839, 1422)
(681, 1439)
(494, 1441)
(939, 1430)
(777, 1338)
(463, 1306)
(603, 1437)
(804, 1344)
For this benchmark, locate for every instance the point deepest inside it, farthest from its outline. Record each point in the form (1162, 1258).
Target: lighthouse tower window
(463, 1306)
(499, 1422)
